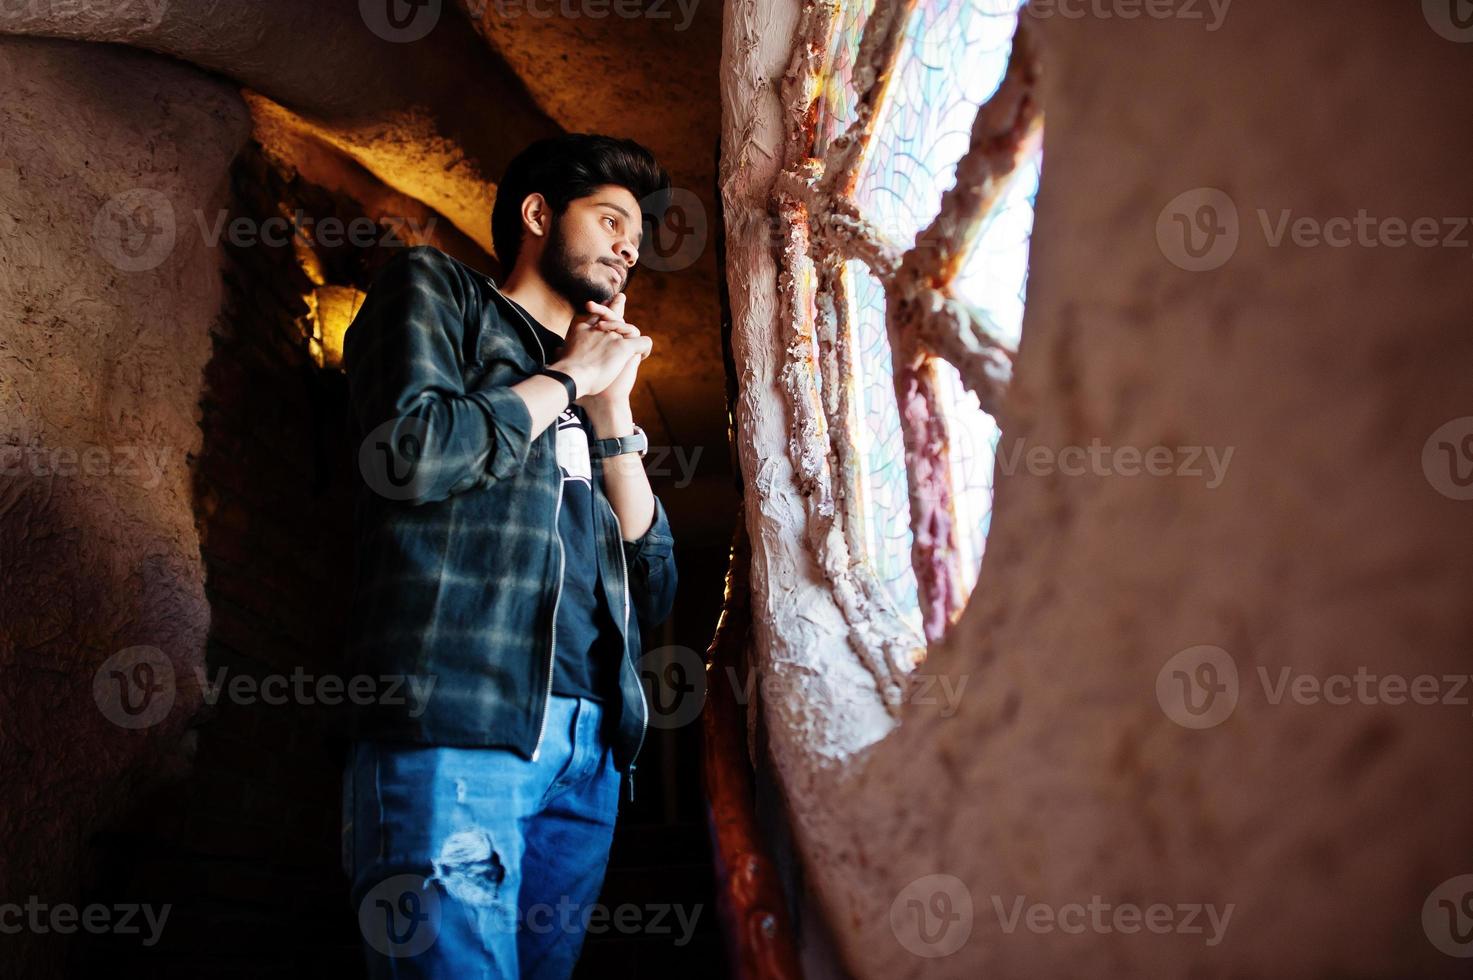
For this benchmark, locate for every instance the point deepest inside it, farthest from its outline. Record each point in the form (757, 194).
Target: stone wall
(107, 154)
(1062, 778)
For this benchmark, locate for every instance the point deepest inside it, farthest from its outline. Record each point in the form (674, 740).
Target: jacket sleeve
(652, 575)
(424, 436)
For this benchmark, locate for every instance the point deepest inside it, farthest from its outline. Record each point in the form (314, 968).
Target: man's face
(591, 250)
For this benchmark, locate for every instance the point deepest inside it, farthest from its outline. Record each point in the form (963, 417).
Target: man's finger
(617, 326)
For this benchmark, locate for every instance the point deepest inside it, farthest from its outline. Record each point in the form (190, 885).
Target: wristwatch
(637, 442)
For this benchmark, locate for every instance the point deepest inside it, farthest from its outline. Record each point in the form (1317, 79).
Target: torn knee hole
(470, 867)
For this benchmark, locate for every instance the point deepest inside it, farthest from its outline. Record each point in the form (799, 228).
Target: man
(510, 554)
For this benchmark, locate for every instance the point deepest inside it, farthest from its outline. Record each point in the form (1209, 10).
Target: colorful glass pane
(994, 273)
(993, 281)
(836, 107)
(884, 507)
(953, 57)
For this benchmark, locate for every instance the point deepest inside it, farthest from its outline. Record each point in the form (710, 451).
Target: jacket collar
(528, 333)
(520, 323)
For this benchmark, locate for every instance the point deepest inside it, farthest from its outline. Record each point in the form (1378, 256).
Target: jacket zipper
(644, 704)
(557, 597)
(562, 559)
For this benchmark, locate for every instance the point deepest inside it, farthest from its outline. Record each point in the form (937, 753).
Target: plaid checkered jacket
(458, 562)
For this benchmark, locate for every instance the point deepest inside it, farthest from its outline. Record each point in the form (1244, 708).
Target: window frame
(819, 227)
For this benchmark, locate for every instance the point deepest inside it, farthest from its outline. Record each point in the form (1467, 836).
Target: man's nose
(628, 252)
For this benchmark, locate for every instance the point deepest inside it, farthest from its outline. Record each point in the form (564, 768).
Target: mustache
(627, 272)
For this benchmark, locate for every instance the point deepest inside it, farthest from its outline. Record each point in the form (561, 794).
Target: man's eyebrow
(611, 204)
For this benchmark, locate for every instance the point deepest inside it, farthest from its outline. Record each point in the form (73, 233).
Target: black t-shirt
(587, 649)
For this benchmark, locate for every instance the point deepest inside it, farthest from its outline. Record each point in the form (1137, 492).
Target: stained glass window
(836, 107)
(952, 59)
(993, 279)
(884, 503)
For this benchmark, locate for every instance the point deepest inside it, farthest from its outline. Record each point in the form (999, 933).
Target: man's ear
(536, 215)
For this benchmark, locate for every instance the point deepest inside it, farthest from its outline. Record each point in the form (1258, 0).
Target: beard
(559, 267)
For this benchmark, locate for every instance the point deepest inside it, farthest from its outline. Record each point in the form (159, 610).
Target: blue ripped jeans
(475, 862)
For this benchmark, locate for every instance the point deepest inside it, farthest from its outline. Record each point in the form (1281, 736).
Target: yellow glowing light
(334, 308)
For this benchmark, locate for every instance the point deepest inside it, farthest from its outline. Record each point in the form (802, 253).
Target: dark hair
(568, 167)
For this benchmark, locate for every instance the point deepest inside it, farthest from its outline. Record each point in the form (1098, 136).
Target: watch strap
(635, 442)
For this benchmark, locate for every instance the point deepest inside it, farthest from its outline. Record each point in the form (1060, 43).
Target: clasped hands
(605, 351)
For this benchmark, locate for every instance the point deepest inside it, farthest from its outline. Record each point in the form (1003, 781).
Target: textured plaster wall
(100, 375)
(1325, 549)
(435, 110)
(421, 105)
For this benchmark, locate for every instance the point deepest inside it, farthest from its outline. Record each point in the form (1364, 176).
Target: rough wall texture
(432, 110)
(1061, 778)
(249, 839)
(393, 98)
(100, 375)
